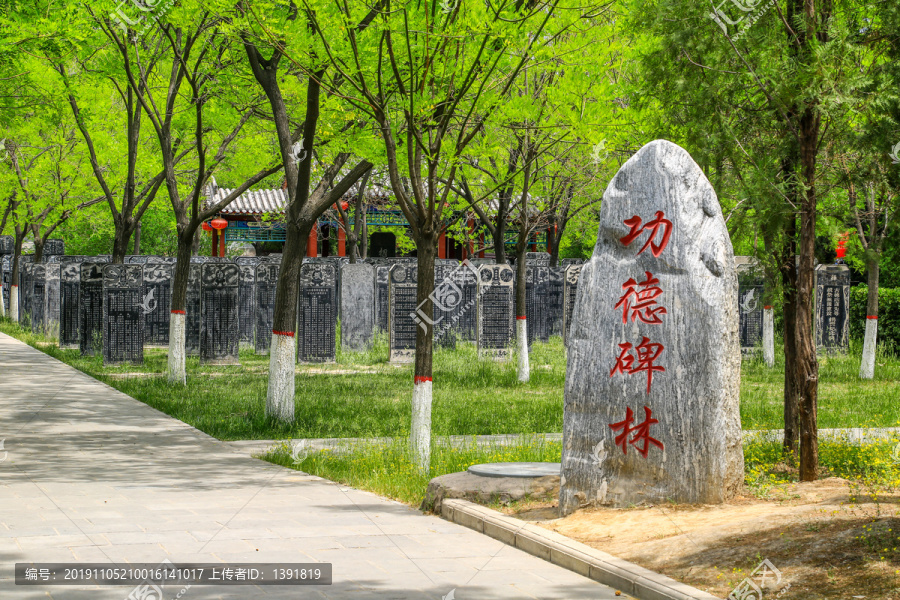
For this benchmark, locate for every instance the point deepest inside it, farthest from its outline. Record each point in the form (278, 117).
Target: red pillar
(215, 242)
(342, 241)
(222, 242)
(442, 245)
(312, 244)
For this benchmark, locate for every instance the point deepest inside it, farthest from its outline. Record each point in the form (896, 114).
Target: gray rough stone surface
(486, 490)
(357, 307)
(570, 293)
(695, 400)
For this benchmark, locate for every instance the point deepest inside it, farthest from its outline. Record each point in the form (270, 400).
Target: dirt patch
(829, 539)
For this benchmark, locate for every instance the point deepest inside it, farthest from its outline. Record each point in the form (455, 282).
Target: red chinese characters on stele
(657, 224)
(641, 432)
(640, 303)
(639, 300)
(647, 352)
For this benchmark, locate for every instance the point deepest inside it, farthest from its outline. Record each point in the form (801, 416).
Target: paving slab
(92, 475)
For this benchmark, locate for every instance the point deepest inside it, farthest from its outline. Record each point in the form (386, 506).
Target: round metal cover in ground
(516, 469)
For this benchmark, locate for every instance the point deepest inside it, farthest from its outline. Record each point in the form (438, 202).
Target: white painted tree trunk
(769, 336)
(175, 368)
(522, 338)
(420, 435)
(867, 368)
(280, 394)
(14, 303)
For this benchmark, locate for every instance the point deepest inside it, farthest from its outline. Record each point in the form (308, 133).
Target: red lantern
(344, 205)
(841, 251)
(206, 226)
(219, 223)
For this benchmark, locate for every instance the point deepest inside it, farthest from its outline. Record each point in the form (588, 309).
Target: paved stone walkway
(89, 474)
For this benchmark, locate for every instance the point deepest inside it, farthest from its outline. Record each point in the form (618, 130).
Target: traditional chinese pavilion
(256, 217)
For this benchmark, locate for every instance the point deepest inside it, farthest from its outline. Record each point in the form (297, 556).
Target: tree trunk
(38, 249)
(364, 240)
(14, 280)
(499, 244)
(352, 251)
(137, 239)
(195, 243)
(524, 369)
(867, 368)
(352, 239)
(175, 367)
(283, 353)
(769, 335)
(553, 248)
(420, 429)
(553, 241)
(789, 283)
(120, 241)
(807, 364)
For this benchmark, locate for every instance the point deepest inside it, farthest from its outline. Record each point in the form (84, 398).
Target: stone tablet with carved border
(496, 311)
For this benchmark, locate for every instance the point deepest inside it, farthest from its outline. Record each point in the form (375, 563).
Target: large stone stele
(695, 455)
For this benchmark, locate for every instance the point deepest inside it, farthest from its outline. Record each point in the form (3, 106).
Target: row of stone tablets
(51, 247)
(81, 300)
(122, 302)
(832, 306)
(356, 293)
(489, 303)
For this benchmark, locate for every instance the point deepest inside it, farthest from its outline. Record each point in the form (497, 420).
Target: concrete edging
(605, 568)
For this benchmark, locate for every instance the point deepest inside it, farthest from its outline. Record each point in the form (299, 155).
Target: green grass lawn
(844, 399)
(364, 396)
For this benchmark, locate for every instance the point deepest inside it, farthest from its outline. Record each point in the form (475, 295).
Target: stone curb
(256, 447)
(854, 435)
(620, 574)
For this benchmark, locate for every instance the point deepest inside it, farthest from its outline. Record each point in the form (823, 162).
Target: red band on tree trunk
(768, 307)
(521, 318)
(417, 380)
(873, 317)
(287, 333)
(178, 312)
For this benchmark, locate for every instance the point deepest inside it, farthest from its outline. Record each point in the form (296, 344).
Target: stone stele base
(485, 490)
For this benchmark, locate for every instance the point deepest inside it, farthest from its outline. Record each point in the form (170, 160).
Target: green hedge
(888, 314)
